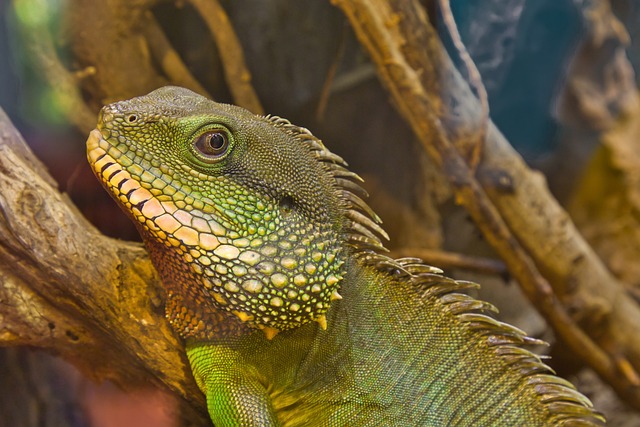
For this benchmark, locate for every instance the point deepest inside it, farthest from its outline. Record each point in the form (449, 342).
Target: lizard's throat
(260, 286)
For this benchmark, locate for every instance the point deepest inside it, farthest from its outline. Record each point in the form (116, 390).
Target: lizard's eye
(212, 145)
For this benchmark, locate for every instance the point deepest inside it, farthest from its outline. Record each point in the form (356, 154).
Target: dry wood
(70, 290)
(41, 47)
(606, 205)
(446, 260)
(511, 204)
(168, 58)
(601, 97)
(114, 37)
(474, 78)
(124, 32)
(236, 72)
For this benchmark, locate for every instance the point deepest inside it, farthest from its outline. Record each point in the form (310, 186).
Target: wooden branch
(168, 58)
(601, 95)
(106, 36)
(475, 79)
(327, 86)
(510, 203)
(70, 290)
(236, 72)
(444, 260)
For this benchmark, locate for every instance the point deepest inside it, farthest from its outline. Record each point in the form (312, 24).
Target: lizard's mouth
(103, 158)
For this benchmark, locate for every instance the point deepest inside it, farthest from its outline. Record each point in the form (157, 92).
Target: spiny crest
(362, 228)
(565, 404)
(363, 233)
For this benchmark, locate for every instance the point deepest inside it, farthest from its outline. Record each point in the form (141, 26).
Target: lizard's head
(243, 215)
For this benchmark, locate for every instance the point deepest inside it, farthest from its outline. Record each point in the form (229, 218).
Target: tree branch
(115, 36)
(236, 72)
(510, 203)
(168, 58)
(40, 43)
(444, 260)
(70, 290)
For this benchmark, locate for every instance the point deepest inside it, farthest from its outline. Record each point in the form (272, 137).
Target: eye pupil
(216, 141)
(212, 145)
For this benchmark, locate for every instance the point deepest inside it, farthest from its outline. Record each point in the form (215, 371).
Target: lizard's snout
(117, 112)
(106, 114)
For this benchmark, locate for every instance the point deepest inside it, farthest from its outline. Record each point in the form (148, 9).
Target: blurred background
(561, 78)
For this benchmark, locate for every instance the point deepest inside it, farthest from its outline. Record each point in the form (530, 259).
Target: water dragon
(277, 279)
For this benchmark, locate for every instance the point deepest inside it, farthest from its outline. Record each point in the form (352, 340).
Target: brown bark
(510, 203)
(606, 205)
(602, 98)
(237, 74)
(123, 32)
(446, 260)
(115, 37)
(70, 290)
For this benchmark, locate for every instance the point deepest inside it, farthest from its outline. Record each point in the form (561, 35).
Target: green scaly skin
(276, 279)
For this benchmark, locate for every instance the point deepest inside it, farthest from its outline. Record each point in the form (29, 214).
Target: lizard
(277, 279)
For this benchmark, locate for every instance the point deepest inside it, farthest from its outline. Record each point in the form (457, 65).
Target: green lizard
(277, 280)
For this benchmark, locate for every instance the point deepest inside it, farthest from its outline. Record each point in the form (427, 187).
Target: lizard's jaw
(103, 158)
(114, 177)
(163, 219)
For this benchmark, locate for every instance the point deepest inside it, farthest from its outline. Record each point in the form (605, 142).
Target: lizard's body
(254, 226)
(361, 371)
